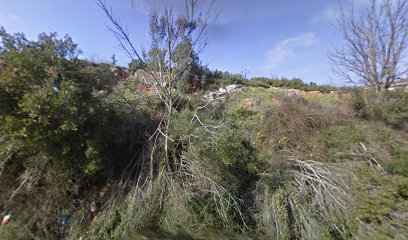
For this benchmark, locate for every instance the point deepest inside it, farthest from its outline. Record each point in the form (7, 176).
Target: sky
(269, 38)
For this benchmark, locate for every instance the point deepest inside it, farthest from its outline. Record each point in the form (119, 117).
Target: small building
(401, 84)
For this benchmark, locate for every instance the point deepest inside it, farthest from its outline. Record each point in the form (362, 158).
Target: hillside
(168, 148)
(260, 161)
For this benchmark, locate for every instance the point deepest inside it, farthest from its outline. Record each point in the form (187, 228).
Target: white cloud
(330, 15)
(288, 48)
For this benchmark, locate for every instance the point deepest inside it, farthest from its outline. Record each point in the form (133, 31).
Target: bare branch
(375, 43)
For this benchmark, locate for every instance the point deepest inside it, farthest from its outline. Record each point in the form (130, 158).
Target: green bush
(294, 83)
(55, 145)
(229, 79)
(282, 169)
(380, 199)
(291, 124)
(14, 230)
(390, 107)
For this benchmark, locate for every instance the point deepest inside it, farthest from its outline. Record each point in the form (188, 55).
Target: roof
(401, 82)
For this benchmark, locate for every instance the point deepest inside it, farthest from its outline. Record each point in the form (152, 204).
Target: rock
(222, 91)
(211, 96)
(233, 87)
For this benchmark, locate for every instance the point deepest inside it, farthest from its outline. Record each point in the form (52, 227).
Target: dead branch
(375, 40)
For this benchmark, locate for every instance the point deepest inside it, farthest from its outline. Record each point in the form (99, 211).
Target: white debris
(233, 87)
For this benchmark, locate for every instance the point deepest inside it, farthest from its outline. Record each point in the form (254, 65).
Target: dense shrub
(291, 84)
(287, 167)
(390, 107)
(58, 147)
(229, 79)
(291, 124)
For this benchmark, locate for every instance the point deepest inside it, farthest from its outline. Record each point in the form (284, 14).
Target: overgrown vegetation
(390, 107)
(294, 83)
(122, 159)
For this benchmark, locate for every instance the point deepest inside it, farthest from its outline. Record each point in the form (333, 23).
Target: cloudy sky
(289, 38)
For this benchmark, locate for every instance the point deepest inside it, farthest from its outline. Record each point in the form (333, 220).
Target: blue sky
(288, 38)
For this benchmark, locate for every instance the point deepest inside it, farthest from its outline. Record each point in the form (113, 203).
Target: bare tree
(168, 33)
(176, 38)
(375, 39)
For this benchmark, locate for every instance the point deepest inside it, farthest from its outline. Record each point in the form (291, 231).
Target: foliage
(380, 200)
(289, 125)
(389, 106)
(135, 65)
(291, 167)
(294, 83)
(55, 143)
(180, 62)
(228, 79)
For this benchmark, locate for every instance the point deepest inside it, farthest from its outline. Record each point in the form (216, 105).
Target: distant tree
(184, 60)
(114, 61)
(375, 39)
(244, 73)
